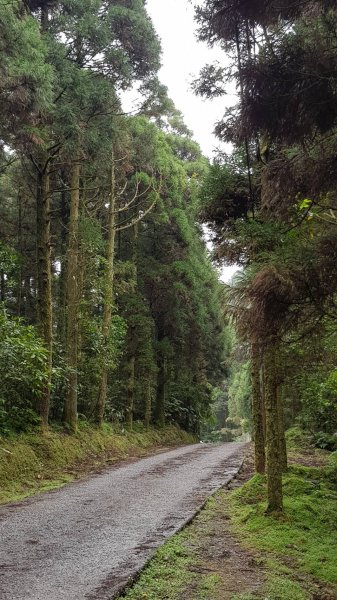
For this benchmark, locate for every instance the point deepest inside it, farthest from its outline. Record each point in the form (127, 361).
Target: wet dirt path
(86, 540)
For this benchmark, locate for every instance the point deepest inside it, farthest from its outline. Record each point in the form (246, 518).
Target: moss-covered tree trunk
(132, 336)
(44, 279)
(282, 437)
(107, 298)
(161, 392)
(258, 410)
(148, 403)
(130, 392)
(21, 250)
(62, 279)
(273, 455)
(2, 286)
(72, 309)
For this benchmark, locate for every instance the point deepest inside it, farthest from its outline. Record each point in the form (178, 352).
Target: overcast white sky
(183, 57)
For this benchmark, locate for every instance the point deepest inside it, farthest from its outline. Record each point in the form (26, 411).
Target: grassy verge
(233, 551)
(306, 536)
(201, 563)
(33, 463)
(167, 574)
(300, 547)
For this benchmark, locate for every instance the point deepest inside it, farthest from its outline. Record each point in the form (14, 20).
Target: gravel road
(86, 540)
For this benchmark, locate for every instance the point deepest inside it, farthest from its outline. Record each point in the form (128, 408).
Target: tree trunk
(274, 467)
(242, 94)
(70, 408)
(2, 286)
(62, 279)
(130, 392)
(20, 246)
(282, 437)
(258, 411)
(44, 278)
(44, 18)
(148, 404)
(30, 303)
(132, 337)
(107, 298)
(161, 393)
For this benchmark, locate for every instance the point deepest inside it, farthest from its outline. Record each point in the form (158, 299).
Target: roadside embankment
(35, 462)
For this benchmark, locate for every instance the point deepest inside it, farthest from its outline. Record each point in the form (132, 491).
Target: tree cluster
(273, 206)
(110, 308)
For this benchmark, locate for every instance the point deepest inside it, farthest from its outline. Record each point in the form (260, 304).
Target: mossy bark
(148, 404)
(161, 392)
(107, 298)
(44, 279)
(21, 250)
(282, 437)
(2, 286)
(132, 335)
(70, 408)
(273, 455)
(258, 410)
(62, 279)
(130, 392)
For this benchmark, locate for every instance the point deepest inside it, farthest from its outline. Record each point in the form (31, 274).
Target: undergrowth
(305, 537)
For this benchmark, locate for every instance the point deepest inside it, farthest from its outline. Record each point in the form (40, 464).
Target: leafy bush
(326, 441)
(23, 374)
(297, 438)
(318, 396)
(223, 435)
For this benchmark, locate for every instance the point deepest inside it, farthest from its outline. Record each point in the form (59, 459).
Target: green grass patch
(292, 553)
(279, 588)
(209, 586)
(307, 532)
(176, 572)
(32, 463)
(167, 574)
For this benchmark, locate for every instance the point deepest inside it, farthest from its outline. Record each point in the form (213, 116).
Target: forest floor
(232, 551)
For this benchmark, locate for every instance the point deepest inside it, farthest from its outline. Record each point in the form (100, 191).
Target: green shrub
(326, 441)
(23, 374)
(297, 438)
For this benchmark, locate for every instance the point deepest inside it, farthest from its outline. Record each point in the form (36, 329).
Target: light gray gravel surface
(86, 540)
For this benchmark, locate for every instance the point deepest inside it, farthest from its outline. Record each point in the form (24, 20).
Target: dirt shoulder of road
(217, 556)
(34, 463)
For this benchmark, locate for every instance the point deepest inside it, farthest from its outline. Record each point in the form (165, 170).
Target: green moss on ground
(202, 562)
(167, 574)
(33, 463)
(234, 551)
(177, 571)
(278, 588)
(305, 537)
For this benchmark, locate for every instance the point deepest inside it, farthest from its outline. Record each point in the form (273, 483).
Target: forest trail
(86, 540)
